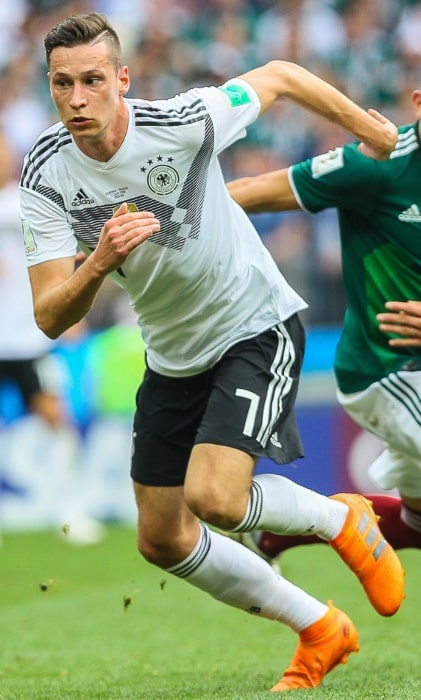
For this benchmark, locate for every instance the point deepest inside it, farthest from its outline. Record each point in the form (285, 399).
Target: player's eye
(62, 83)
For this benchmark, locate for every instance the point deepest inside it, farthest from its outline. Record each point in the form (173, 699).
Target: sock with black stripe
(281, 506)
(235, 575)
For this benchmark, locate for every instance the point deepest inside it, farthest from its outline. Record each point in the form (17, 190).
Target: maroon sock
(273, 545)
(396, 532)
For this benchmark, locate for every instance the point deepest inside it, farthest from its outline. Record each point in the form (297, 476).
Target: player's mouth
(80, 122)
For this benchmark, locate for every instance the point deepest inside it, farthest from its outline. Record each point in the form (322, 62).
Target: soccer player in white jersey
(378, 358)
(138, 186)
(23, 347)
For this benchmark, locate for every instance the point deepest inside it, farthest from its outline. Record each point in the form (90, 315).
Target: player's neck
(103, 146)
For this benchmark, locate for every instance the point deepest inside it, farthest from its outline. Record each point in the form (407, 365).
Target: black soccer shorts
(245, 401)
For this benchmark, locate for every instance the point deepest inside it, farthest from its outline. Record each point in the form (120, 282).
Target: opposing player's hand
(121, 234)
(402, 318)
(389, 132)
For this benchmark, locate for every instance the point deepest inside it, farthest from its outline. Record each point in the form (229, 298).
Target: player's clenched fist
(122, 234)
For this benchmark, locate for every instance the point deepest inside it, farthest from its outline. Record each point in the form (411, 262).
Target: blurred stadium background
(368, 48)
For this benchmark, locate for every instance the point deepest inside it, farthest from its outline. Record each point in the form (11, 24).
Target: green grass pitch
(98, 623)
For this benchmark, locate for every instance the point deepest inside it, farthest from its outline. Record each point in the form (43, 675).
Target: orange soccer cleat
(322, 646)
(363, 548)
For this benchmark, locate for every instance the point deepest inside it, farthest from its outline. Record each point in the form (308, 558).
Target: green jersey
(379, 209)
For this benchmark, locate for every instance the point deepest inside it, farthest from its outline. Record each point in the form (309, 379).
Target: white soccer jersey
(205, 281)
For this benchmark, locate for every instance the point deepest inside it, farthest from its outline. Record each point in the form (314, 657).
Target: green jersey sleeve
(341, 178)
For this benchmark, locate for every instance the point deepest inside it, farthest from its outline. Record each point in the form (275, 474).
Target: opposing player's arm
(402, 318)
(279, 79)
(267, 192)
(63, 294)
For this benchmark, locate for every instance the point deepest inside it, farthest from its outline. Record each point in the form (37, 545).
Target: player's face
(86, 90)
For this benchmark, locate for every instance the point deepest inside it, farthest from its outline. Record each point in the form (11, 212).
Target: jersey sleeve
(232, 107)
(342, 178)
(46, 231)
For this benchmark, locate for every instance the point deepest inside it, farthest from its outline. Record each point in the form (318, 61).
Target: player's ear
(416, 101)
(124, 80)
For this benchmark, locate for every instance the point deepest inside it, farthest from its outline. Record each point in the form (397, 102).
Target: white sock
(286, 508)
(235, 575)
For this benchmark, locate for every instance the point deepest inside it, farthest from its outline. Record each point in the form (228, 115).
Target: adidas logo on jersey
(81, 198)
(411, 214)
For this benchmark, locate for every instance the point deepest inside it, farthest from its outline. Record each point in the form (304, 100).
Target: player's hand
(402, 318)
(121, 234)
(80, 257)
(389, 132)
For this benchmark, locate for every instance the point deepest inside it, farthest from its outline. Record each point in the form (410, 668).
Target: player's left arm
(402, 318)
(278, 79)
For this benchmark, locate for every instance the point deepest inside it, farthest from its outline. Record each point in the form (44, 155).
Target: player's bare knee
(214, 507)
(157, 553)
(167, 551)
(146, 549)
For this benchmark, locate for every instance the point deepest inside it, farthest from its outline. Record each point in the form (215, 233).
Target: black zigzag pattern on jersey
(193, 190)
(49, 193)
(148, 115)
(45, 147)
(168, 236)
(192, 563)
(88, 221)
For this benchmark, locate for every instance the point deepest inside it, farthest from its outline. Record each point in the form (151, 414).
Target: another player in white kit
(138, 185)
(23, 347)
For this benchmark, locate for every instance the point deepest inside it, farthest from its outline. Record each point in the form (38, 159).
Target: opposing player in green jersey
(378, 357)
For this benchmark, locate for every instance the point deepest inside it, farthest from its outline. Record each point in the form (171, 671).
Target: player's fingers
(408, 334)
(140, 230)
(378, 116)
(137, 237)
(366, 150)
(135, 226)
(400, 320)
(405, 342)
(131, 219)
(123, 208)
(80, 256)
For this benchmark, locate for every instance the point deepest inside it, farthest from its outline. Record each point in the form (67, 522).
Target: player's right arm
(284, 79)
(62, 295)
(340, 178)
(402, 318)
(266, 192)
